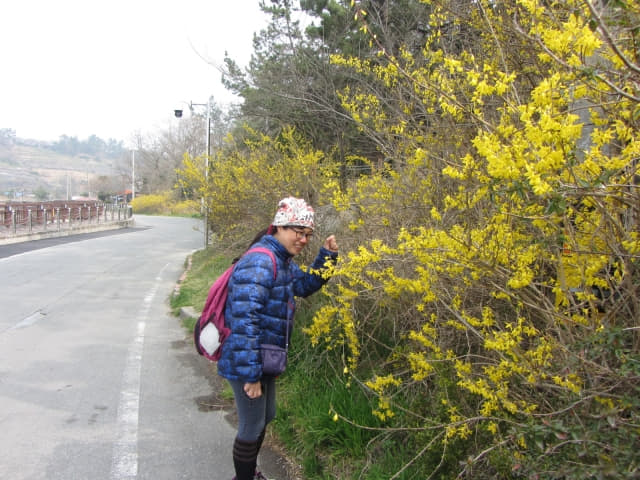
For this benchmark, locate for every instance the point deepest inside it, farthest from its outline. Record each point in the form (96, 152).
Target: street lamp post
(178, 114)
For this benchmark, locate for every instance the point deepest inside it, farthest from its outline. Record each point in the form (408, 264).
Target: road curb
(187, 313)
(43, 234)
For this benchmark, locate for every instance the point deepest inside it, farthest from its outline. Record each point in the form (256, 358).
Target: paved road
(97, 379)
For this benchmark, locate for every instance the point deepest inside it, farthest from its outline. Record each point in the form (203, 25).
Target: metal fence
(25, 217)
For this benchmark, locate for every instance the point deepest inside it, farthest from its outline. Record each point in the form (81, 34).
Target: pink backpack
(210, 332)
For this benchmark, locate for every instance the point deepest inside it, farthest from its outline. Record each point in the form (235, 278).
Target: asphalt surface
(27, 246)
(97, 379)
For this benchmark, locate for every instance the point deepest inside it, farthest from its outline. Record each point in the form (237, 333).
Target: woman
(259, 311)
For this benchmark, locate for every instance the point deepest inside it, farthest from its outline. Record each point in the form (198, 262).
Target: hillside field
(25, 169)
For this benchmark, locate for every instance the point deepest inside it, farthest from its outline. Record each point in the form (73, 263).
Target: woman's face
(294, 239)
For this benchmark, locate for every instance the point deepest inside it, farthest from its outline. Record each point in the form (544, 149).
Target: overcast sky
(111, 68)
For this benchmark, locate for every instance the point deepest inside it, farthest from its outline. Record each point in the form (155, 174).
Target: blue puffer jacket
(259, 308)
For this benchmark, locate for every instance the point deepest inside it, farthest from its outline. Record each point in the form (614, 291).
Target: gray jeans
(254, 413)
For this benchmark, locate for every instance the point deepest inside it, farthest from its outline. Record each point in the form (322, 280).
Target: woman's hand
(253, 390)
(331, 244)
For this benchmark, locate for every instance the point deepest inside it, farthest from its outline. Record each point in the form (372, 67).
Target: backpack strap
(268, 252)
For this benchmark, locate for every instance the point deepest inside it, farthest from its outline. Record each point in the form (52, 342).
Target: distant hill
(57, 169)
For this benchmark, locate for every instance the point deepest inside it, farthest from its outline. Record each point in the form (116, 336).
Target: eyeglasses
(300, 234)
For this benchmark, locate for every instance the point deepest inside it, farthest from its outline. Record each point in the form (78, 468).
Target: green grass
(305, 422)
(205, 268)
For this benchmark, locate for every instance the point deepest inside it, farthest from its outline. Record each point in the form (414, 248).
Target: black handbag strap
(289, 323)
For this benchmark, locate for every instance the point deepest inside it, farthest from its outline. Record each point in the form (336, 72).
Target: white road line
(28, 321)
(124, 463)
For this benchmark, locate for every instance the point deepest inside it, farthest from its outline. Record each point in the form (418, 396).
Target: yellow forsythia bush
(492, 300)
(186, 207)
(151, 204)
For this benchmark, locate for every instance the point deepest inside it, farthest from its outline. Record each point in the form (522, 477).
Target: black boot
(259, 475)
(261, 439)
(245, 455)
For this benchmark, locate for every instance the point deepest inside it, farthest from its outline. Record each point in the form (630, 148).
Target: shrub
(186, 208)
(151, 204)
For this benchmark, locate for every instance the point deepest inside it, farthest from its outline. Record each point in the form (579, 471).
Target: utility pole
(205, 207)
(206, 174)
